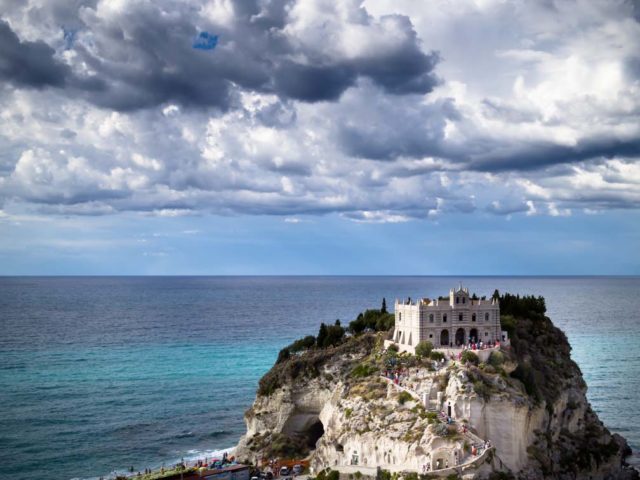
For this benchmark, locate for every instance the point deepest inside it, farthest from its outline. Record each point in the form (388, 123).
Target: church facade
(446, 322)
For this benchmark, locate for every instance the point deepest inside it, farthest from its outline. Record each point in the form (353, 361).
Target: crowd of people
(396, 375)
(472, 344)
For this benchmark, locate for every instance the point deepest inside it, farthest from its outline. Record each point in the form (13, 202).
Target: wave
(194, 455)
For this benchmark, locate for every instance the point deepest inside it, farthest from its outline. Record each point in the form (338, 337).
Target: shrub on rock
(423, 349)
(469, 357)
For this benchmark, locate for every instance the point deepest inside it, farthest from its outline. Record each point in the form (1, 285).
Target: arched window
(473, 317)
(486, 317)
(460, 317)
(444, 318)
(431, 317)
(457, 299)
(463, 300)
(400, 316)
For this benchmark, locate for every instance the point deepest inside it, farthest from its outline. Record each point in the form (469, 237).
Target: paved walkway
(443, 472)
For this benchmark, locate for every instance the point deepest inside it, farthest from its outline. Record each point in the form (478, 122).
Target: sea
(101, 374)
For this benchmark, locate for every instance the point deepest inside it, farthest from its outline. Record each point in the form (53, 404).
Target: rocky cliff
(524, 413)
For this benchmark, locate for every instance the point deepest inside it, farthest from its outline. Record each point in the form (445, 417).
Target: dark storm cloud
(632, 67)
(215, 145)
(406, 69)
(147, 56)
(634, 6)
(404, 72)
(313, 83)
(539, 155)
(389, 143)
(29, 64)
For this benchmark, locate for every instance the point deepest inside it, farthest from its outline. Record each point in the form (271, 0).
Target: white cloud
(538, 113)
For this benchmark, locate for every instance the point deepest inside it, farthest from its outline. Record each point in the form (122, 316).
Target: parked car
(297, 469)
(284, 471)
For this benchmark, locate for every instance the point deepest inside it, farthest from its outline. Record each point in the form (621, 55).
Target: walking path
(470, 463)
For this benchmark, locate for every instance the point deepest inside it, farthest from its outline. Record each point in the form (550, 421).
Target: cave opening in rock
(313, 433)
(305, 427)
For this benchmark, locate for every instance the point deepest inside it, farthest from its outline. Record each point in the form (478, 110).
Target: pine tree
(384, 305)
(322, 336)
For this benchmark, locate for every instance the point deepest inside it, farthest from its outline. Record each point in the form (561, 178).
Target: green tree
(330, 335)
(283, 355)
(437, 356)
(322, 336)
(423, 349)
(302, 344)
(404, 397)
(384, 306)
(496, 359)
(333, 475)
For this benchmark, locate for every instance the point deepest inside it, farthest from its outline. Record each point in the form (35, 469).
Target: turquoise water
(101, 373)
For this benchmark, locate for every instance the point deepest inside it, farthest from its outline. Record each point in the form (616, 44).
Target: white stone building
(454, 321)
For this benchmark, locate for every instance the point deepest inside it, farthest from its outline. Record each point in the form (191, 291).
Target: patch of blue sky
(205, 41)
(69, 37)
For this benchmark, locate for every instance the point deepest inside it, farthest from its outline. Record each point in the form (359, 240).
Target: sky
(475, 137)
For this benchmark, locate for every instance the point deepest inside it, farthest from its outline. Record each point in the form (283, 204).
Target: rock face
(528, 401)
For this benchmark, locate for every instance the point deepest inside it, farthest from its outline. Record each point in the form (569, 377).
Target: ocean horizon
(103, 373)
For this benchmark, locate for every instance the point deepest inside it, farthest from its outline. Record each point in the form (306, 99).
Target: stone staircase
(473, 438)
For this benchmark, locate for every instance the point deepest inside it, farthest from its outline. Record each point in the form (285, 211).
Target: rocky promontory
(348, 404)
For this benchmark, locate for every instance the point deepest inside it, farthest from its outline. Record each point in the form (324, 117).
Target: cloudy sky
(319, 136)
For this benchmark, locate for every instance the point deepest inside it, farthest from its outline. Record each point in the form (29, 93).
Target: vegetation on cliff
(308, 365)
(372, 320)
(321, 347)
(544, 366)
(540, 349)
(536, 372)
